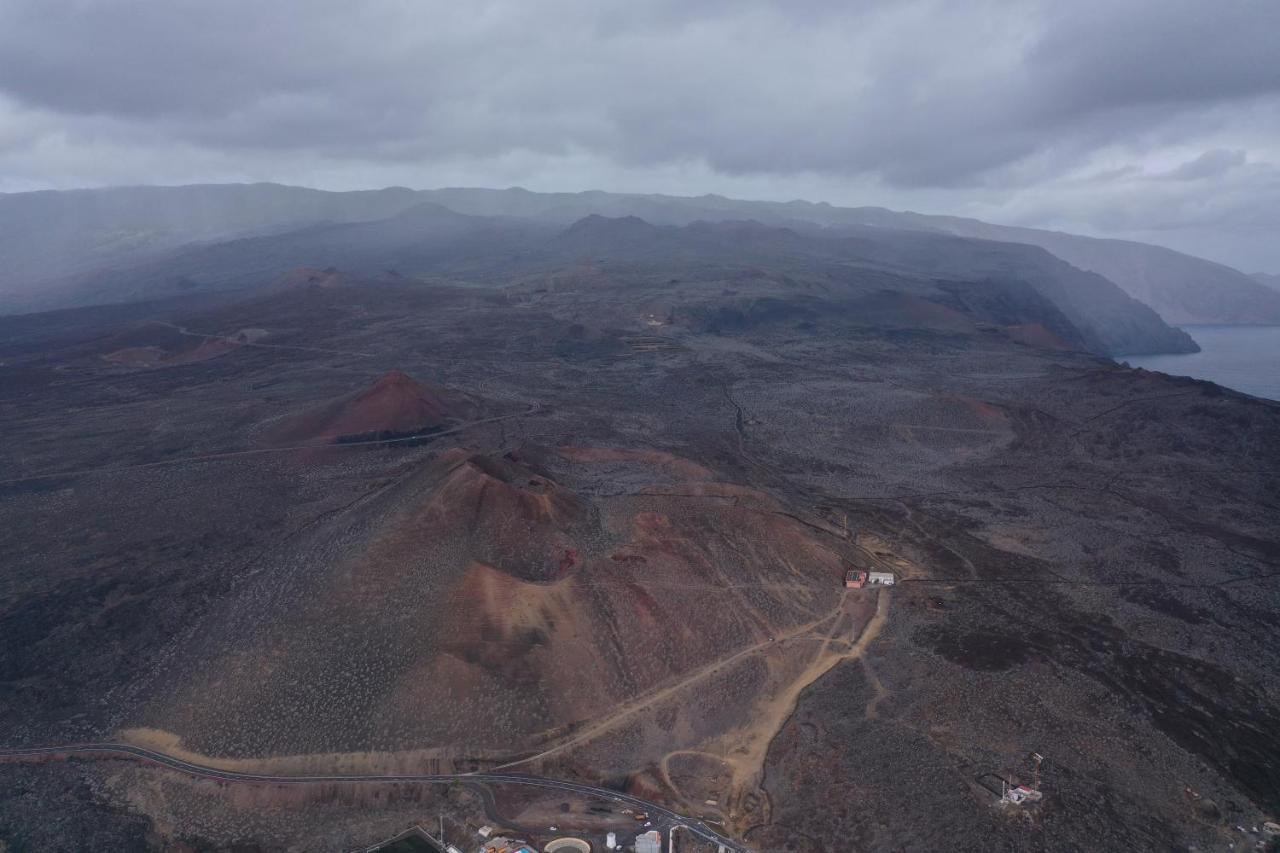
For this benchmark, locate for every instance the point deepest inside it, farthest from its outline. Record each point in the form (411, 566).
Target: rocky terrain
(582, 505)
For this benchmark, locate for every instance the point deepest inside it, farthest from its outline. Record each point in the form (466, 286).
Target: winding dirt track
(745, 759)
(647, 700)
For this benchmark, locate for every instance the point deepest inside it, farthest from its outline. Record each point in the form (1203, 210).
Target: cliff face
(1109, 321)
(1181, 288)
(1005, 284)
(1117, 323)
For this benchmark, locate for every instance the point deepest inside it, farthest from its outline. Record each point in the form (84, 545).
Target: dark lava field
(580, 503)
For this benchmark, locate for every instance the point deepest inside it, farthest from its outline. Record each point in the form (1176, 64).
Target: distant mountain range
(1181, 288)
(60, 249)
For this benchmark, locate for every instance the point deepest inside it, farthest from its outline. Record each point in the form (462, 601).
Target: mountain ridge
(50, 235)
(428, 240)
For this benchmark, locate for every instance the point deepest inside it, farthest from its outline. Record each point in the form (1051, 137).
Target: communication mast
(1038, 759)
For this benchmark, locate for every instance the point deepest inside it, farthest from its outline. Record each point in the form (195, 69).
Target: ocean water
(1246, 358)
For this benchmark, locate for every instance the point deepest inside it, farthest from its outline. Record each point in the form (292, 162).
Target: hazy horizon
(783, 200)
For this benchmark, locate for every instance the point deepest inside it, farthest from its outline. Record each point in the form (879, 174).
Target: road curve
(697, 827)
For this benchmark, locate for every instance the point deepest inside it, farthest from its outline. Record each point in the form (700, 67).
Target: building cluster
(1019, 795)
(648, 842)
(502, 844)
(859, 578)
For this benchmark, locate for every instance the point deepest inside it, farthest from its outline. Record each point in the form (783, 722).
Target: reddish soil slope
(395, 405)
(907, 310)
(310, 277)
(163, 345)
(1036, 335)
(497, 604)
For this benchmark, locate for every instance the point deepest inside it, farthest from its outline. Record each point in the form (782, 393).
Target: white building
(650, 842)
(1021, 794)
(882, 579)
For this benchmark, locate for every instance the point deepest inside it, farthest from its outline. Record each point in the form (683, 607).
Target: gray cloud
(1040, 113)
(1210, 164)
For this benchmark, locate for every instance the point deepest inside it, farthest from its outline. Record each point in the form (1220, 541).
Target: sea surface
(1246, 358)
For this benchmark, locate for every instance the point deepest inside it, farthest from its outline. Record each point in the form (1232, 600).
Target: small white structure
(650, 842)
(611, 841)
(485, 831)
(1020, 794)
(882, 579)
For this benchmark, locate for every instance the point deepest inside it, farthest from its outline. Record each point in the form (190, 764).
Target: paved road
(667, 816)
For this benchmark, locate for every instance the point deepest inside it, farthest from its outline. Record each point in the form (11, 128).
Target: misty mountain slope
(51, 235)
(1271, 280)
(1111, 321)
(420, 239)
(726, 242)
(1078, 307)
(427, 240)
(1182, 288)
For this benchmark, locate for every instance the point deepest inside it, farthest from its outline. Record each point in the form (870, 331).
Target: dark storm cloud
(929, 100)
(1158, 52)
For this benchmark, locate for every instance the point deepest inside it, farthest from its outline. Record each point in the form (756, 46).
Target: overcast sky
(1147, 119)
